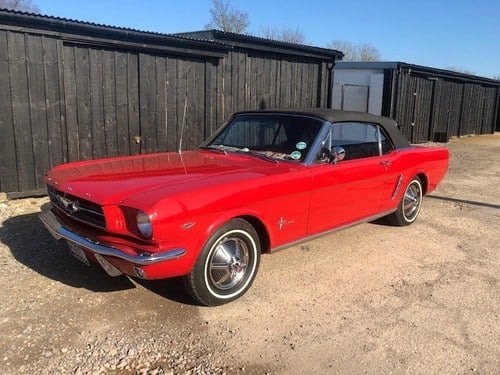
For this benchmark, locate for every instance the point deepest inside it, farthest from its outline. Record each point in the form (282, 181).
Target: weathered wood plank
(489, 111)
(182, 103)
(304, 85)
(220, 91)
(161, 103)
(133, 103)
(147, 91)
(20, 111)
(210, 99)
(266, 83)
(37, 104)
(98, 137)
(62, 95)
(8, 157)
(277, 82)
(272, 83)
(199, 99)
(259, 80)
(294, 83)
(254, 83)
(324, 85)
(122, 122)
(241, 88)
(109, 75)
(190, 130)
(70, 103)
(286, 78)
(455, 108)
(83, 103)
(235, 68)
(480, 90)
(313, 78)
(172, 103)
(53, 101)
(248, 82)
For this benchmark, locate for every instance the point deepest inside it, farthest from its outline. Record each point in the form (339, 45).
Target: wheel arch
(252, 218)
(260, 228)
(424, 180)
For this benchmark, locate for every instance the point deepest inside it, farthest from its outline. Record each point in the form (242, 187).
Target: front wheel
(226, 266)
(409, 206)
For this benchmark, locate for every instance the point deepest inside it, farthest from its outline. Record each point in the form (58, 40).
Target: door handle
(385, 163)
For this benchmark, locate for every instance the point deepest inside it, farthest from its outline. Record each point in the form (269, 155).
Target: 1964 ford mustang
(264, 181)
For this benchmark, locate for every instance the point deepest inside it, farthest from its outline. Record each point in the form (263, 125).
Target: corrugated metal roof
(430, 71)
(209, 39)
(73, 21)
(68, 21)
(70, 25)
(251, 41)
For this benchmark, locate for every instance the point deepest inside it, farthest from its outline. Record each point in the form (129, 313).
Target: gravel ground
(373, 298)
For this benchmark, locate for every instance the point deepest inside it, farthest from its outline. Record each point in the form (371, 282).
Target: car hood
(110, 181)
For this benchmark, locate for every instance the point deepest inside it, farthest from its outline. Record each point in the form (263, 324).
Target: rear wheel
(410, 204)
(226, 266)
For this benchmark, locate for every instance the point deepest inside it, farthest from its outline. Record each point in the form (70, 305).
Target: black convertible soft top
(336, 115)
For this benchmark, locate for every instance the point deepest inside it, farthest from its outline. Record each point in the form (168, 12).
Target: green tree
(224, 17)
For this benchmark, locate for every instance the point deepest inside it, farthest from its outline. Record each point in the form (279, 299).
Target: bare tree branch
(347, 48)
(367, 52)
(356, 52)
(226, 18)
(287, 35)
(460, 70)
(20, 5)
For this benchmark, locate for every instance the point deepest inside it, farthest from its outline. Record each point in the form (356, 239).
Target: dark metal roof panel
(254, 42)
(65, 25)
(420, 69)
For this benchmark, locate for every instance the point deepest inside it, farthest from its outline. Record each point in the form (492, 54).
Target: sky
(464, 34)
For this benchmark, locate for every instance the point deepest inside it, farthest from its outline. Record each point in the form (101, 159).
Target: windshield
(282, 137)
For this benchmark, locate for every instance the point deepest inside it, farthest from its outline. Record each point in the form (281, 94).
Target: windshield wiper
(217, 149)
(262, 156)
(244, 150)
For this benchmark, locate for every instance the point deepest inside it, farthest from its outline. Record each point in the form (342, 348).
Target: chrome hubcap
(228, 263)
(412, 200)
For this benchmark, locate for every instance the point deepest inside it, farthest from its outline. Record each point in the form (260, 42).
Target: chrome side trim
(398, 185)
(345, 226)
(59, 232)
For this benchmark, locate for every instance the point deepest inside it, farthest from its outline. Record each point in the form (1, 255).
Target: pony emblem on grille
(69, 205)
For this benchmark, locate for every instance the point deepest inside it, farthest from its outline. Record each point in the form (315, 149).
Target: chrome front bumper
(58, 231)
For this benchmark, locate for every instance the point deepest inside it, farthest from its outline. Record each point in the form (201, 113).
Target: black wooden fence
(435, 108)
(94, 92)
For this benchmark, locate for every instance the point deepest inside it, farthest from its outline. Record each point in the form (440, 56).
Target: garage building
(429, 104)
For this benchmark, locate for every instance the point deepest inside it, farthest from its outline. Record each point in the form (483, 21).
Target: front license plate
(78, 253)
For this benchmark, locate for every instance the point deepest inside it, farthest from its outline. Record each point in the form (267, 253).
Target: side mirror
(338, 153)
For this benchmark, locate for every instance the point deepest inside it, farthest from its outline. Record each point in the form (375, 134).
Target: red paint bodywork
(190, 195)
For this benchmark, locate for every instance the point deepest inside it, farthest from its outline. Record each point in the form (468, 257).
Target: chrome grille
(77, 208)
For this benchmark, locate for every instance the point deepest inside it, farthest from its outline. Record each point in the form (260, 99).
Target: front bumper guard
(58, 231)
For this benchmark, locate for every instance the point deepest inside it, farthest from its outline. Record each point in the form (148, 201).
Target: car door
(351, 189)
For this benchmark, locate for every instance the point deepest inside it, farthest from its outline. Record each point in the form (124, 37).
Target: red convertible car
(264, 181)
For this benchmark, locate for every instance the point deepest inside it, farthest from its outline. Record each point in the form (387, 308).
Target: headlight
(144, 224)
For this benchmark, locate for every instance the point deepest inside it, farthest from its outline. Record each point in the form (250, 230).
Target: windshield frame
(312, 149)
